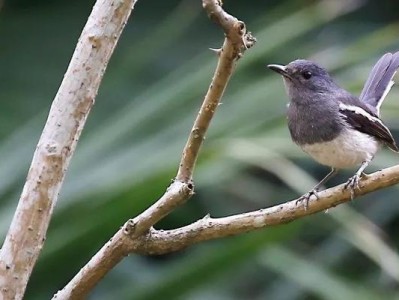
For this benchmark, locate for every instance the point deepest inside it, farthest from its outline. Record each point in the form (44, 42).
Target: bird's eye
(306, 75)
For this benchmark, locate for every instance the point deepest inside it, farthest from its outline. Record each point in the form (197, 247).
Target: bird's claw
(306, 198)
(352, 184)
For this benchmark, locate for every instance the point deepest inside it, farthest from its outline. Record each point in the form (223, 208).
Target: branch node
(234, 29)
(95, 41)
(129, 227)
(240, 27)
(187, 186)
(190, 186)
(196, 132)
(248, 40)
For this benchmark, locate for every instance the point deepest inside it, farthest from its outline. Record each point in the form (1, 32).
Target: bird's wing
(363, 121)
(380, 81)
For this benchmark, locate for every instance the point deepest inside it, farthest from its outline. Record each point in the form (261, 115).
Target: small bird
(334, 127)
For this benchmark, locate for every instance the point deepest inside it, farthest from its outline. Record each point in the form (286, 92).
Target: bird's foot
(352, 184)
(306, 197)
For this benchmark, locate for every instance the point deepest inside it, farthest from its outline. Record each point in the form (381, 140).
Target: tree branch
(236, 42)
(57, 143)
(138, 236)
(164, 241)
(156, 242)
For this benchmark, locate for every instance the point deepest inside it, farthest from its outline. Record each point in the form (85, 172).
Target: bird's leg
(315, 189)
(353, 182)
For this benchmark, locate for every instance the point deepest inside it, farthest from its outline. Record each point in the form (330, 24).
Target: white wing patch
(361, 111)
(367, 123)
(387, 89)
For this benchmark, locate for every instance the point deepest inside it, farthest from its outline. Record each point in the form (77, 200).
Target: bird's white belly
(349, 149)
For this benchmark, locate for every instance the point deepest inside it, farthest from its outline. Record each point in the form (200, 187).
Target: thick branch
(160, 241)
(65, 122)
(236, 41)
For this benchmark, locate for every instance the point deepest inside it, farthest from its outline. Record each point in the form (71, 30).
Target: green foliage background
(131, 146)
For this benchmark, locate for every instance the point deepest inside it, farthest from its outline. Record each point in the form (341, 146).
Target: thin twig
(236, 42)
(65, 122)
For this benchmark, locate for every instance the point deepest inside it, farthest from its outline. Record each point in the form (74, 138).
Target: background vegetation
(132, 143)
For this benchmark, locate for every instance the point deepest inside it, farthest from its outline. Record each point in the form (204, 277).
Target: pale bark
(66, 120)
(158, 242)
(57, 143)
(236, 42)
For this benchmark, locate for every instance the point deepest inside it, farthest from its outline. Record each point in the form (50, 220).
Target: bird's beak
(282, 70)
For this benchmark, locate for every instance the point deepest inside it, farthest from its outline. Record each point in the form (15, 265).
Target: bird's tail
(380, 81)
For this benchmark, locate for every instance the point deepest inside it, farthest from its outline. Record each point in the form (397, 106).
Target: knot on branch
(184, 188)
(129, 227)
(240, 37)
(249, 40)
(235, 30)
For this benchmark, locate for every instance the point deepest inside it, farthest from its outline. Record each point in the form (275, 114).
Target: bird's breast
(350, 148)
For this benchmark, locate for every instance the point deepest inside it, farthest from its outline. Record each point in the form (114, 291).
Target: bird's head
(304, 77)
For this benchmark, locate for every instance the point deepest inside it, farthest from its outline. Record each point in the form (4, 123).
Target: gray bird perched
(334, 127)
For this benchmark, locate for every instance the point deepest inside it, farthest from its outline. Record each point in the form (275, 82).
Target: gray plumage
(334, 127)
(314, 113)
(379, 81)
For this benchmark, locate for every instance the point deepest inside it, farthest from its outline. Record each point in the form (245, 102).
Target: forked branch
(236, 42)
